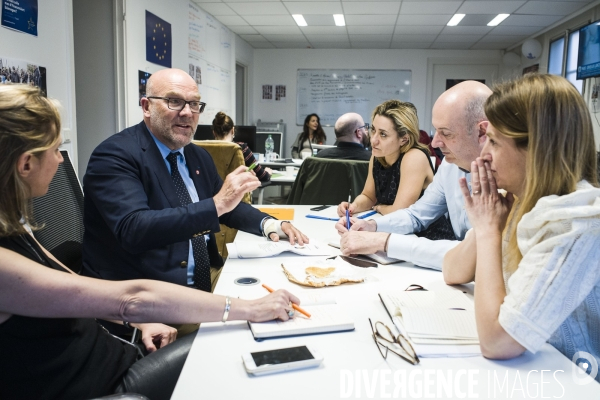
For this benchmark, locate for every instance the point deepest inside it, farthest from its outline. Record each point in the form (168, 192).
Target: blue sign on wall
(158, 40)
(20, 15)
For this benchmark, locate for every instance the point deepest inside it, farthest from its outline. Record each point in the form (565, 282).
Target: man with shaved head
(153, 200)
(351, 133)
(460, 125)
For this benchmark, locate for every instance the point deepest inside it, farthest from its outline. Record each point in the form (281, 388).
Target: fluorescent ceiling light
(455, 20)
(300, 21)
(499, 18)
(339, 19)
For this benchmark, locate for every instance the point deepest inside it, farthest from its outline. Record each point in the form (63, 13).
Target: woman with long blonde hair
(534, 253)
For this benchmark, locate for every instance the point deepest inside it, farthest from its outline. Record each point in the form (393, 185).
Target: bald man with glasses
(352, 135)
(153, 200)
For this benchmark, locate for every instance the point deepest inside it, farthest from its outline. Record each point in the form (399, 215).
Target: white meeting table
(353, 367)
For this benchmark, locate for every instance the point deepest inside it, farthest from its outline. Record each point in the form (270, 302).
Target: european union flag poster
(20, 15)
(158, 40)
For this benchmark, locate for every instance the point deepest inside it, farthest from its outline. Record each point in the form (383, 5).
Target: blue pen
(347, 219)
(320, 217)
(367, 215)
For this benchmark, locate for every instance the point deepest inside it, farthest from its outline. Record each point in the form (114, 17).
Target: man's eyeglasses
(415, 288)
(366, 126)
(196, 107)
(386, 341)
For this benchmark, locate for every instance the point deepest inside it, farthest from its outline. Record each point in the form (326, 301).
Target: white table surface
(352, 366)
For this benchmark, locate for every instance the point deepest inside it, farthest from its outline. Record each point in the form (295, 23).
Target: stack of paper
(439, 324)
(254, 249)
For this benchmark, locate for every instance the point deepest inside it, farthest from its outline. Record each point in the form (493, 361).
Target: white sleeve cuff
(273, 225)
(420, 251)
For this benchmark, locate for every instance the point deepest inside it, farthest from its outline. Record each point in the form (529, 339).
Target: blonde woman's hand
(486, 208)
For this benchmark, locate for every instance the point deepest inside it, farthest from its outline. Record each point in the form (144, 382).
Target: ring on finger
(476, 192)
(291, 313)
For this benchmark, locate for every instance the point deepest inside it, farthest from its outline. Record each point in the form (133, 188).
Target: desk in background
(277, 179)
(353, 367)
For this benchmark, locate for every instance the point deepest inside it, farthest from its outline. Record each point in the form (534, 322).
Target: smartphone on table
(319, 208)
(276, 360)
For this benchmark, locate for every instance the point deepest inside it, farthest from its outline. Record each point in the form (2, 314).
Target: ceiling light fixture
(455, 20)
(339, 19)
(498, 19)
(300, 21)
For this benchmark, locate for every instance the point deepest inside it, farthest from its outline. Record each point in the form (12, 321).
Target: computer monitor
(204, 132)
(246, 134)
(261, 137)
(588, 62)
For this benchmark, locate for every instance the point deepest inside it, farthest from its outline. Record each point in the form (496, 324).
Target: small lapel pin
(197, 172)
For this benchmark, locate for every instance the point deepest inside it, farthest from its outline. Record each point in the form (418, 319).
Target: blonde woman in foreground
(50, 343)
(535, 253)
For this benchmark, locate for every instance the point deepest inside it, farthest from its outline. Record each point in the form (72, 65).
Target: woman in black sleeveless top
(50, 344)
(400, 168)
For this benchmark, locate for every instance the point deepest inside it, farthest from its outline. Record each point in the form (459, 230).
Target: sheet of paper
(437, 323)
(253, 249)
(439, 347)
(427, 299)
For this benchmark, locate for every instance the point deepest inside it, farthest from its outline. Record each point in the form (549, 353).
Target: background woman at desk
(400, 168)
(224, 129)
(312, 133)
(50, 343)
(535, 253)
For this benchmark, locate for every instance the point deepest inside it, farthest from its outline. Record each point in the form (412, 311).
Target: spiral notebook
(326, 316)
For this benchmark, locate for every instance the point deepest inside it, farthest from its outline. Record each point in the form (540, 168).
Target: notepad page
(396, 301)
(253, 249)
(311, 298)
(437, 323)
(324, 318)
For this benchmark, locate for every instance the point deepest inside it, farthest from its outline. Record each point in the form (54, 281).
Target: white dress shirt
(442, 196)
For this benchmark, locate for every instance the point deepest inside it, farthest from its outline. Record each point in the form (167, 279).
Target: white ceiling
(392, 24)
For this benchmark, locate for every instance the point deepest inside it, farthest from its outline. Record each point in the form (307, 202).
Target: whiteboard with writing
(210, 58)
(330, 92)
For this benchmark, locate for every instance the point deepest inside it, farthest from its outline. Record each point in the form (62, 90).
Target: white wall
(244, 54)
(93, 29)
(588, 16)
(53, 49)
(176, 13)
(279, 66)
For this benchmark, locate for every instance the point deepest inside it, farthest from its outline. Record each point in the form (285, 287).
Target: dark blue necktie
(201, 260)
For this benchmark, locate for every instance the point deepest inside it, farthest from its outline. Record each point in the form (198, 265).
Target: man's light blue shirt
(442, 196)
(189, 184)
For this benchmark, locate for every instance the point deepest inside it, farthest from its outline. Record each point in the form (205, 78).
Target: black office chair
(60, 212)
(328, 181)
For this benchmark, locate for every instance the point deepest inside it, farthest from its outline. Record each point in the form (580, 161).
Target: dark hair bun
(222, 124)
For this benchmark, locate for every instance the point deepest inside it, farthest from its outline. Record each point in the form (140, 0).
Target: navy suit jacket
(135, 227)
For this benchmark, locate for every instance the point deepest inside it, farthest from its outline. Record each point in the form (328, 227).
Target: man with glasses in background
(352, 135)
(153, 200)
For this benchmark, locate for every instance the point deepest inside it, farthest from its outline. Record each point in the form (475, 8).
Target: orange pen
(300, 310)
